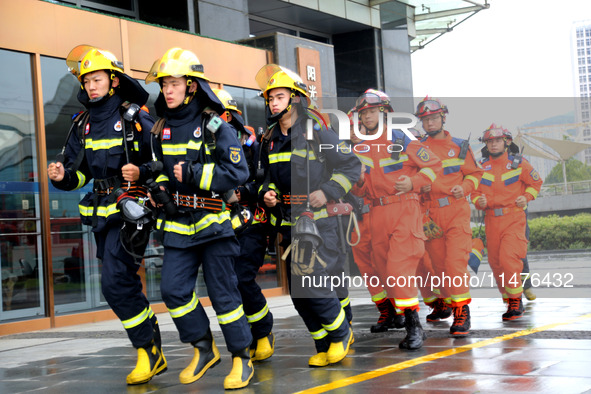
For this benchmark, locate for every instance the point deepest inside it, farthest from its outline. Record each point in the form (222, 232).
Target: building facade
(581, 51)
(49, 274)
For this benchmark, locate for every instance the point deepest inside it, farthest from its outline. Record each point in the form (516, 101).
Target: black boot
(440, 311)
(387, 314)
(461, 325)
(206, 356)
(514, 309)
(414, 332)
(242, 370)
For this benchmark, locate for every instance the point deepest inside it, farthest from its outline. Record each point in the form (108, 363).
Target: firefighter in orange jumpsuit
(397, 169)
(505, 189)
(449, 209)
(363, 258)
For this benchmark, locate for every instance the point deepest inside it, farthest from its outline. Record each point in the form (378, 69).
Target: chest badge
(508, 166)
(118, 126)
(87, 129)
(451, 153)
(166, 133)
(271, 147)
(197, 132)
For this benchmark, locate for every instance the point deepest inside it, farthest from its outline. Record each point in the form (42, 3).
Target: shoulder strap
(82, 121)
(158, 127)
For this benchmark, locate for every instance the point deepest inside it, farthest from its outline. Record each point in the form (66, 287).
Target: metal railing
(557, 189)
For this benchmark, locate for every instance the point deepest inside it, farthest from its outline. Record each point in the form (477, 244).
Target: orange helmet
(430, 106)
(372, 98)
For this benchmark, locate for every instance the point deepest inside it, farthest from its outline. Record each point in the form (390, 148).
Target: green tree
(575, 171)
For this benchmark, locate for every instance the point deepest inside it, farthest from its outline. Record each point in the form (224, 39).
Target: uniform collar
(106, 109)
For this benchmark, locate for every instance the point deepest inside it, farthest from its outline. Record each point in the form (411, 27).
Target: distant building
(581, 55)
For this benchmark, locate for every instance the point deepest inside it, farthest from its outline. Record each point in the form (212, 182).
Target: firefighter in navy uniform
(298, 173)
(253, 241)
(202, 160)
(96, 149)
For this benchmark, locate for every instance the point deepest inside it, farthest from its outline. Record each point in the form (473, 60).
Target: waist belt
(503, 211)
(294, 199)
(196, 202)
(393, 199)
(444, 201)
(105, 186)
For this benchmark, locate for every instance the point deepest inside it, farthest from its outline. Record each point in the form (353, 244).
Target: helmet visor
(492, 134)
(78, 53)
(172, 68)
(368, 99)
(428, 106)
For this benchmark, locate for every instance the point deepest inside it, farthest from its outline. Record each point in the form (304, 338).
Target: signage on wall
(309, 69)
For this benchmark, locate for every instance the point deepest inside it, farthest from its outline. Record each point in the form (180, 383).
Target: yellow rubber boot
(338, 350)
(206, 356)
(242, 371)
(318, 360)
(263, 349)
(150, 362)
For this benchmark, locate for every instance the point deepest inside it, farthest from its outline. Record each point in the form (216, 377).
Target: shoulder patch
(235, 154)
(534, 175)
(423, 155)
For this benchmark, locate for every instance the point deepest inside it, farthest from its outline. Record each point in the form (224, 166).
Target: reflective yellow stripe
(452, 163)
(389, 161)
(136, 145)
(511, 174)
(316, 335)
(231, 316)
(477, 253)
(436, 290)
(195, 145)
(460, 297)
(473, 179)
(102, 144)
(343, 181)
(323, 213)
(515, 290)
(429, 173)
(279, 157)
(206, 176)
(259, 315)
(532, 191)
(365, 160)
(428, 300)
(162, 178)
(488, 176)
(380, 296)
(150, 313)
(174, 149)
(345, 301)
(475, 199)
(81, 180)
(183, 310)
(101, 211)
(194, 228)
(136, 320)
(406, 302)
(336, 323)
(302, 153)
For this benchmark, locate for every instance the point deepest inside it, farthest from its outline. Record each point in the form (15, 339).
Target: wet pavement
(548, 350)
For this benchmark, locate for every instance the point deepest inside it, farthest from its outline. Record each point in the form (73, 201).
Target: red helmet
(495, 131)
(430, 106)
(373, 98)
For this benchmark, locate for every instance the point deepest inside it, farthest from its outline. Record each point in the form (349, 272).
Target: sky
(515, 49)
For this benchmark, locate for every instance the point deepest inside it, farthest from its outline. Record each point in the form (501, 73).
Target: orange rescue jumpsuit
(397, 236)
(449, 254)
(504, 221)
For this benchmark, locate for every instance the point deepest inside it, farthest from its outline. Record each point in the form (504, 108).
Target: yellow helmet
(176, 62)
(273, 76)
(85, 59)
(227, 100)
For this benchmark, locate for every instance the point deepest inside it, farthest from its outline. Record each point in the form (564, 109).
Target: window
(20, 238)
